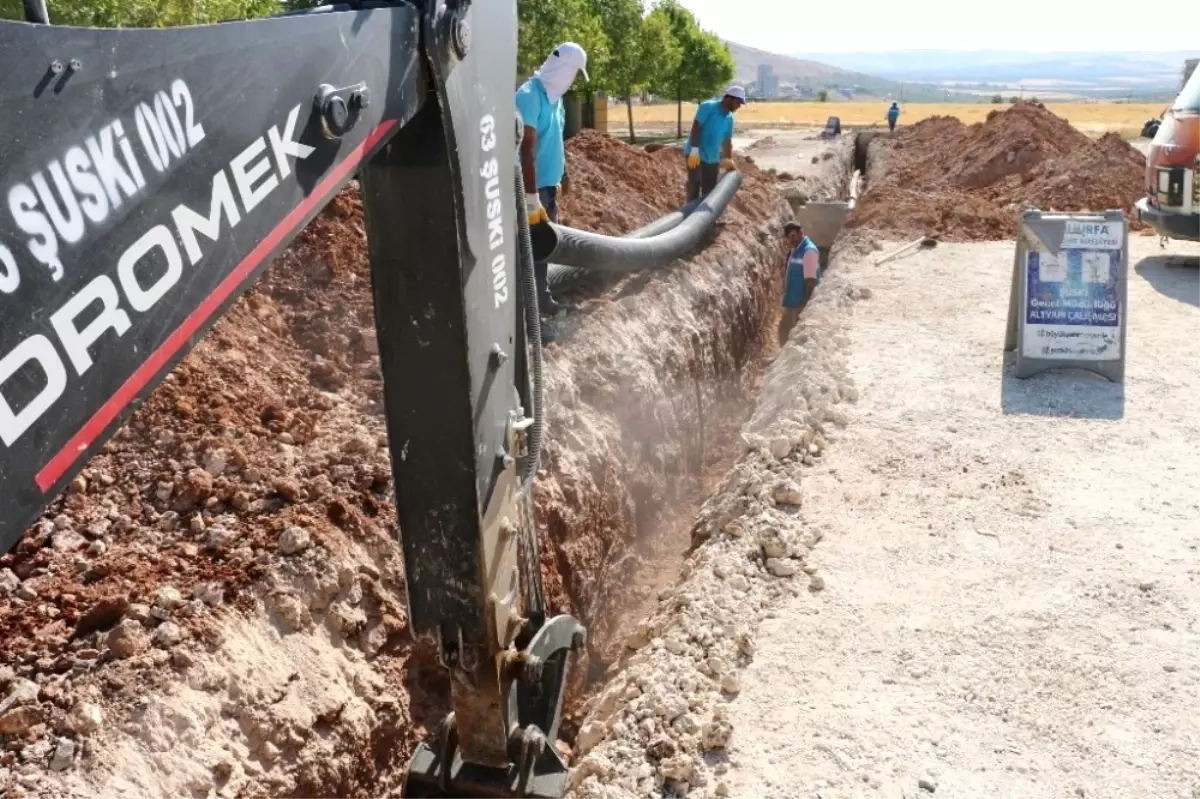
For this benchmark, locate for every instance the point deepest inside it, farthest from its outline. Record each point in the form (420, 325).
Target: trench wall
(643, 398)
(659, 727)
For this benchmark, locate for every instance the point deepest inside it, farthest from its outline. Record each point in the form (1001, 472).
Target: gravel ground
(1011, 605)
(788, 150)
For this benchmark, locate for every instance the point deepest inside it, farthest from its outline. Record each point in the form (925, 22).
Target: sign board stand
(1067, 305)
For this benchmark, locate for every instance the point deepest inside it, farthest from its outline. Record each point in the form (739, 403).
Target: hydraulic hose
(533, 326)
(597, 252)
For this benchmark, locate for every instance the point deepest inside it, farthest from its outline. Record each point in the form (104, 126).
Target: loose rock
(19, 720)
(294, 540)
(168, 597)
(21, 692)
(64, 755)
(787, 492)
(127, 639)
(219, 538)
(85, 717)
(168, 635)
(214, 462)
(780, 567)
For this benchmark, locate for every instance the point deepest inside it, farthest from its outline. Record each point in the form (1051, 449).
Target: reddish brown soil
(286, 390)
(969, 183)
(260, 391)
(616, 188)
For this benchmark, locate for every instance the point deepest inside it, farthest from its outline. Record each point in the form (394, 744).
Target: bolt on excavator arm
(146, 179)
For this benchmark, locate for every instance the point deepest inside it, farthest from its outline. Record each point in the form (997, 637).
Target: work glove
(693, 160)
(727, 163)
(534, 209)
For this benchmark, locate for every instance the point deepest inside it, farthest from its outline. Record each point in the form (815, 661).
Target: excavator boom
(146, 179)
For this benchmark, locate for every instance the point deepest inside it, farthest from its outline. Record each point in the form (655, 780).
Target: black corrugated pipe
(559, 276)
(600, 253)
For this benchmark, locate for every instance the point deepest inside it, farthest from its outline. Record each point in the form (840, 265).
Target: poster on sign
(1067, 307)
(1071, 305)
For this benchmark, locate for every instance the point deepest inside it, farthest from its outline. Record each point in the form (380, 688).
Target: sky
(796, 27)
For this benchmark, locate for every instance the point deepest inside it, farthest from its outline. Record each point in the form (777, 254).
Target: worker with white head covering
(543, 156)
(710, 144)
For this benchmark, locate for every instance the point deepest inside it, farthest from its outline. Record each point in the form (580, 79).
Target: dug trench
(216, 605)
(674, 720)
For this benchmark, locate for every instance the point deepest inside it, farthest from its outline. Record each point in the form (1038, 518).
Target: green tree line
(632, 48)
(148, 13)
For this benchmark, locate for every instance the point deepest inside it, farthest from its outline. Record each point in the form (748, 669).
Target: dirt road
(1010, 605)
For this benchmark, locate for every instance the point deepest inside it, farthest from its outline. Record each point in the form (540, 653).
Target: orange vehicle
(1172, 202)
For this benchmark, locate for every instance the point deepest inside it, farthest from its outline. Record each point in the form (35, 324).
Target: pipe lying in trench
(560, 276)
(580, 253)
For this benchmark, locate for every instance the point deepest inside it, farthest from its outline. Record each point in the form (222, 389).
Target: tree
(641, 51)
(822, 96)
(1012, 99)
(997, 99)
(545, 24)
(144, 13)
(705, 62)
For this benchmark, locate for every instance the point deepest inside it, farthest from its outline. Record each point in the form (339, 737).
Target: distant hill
(816, 76)
(1096, 75)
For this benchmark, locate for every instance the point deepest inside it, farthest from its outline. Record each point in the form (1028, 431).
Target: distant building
(767, 85)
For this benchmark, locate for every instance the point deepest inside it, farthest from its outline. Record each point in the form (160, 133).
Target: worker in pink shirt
(801, 279)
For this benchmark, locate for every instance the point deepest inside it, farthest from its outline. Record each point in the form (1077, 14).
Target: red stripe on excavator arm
(53, 471)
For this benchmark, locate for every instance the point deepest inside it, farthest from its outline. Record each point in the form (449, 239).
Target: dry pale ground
(1094, 118)
(1011, 605)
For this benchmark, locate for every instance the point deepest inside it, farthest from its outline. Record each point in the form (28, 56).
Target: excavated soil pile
(969, 183)
(197, 612)
(615, 188)
(217, 603)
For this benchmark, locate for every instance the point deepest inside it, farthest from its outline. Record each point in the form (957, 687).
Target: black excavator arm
(146, 179)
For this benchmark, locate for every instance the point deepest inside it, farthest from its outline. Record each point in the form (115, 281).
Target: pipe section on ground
(596, 252)
(559, 276)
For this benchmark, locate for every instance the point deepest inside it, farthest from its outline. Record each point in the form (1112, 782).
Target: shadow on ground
(1174, 276)
(1069, 393)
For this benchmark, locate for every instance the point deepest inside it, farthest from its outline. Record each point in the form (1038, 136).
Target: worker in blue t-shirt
(800, 279)
(543, 155)
(892, 115)
(710, 144)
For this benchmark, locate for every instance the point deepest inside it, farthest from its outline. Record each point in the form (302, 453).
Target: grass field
(1092, 118)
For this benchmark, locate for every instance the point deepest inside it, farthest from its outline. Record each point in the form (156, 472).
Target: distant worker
(710, 144)
(543, 154)
(801, 279)
(893, 114)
